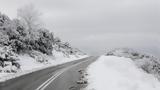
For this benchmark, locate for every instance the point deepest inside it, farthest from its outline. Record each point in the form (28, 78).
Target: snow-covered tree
(45, 41)
(31, 18)
(7, 55)
(4, 39)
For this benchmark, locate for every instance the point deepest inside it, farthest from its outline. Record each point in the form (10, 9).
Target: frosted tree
(30, 17)
(4, 39)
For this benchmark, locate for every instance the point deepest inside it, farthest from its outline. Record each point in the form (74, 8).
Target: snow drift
(119, 73)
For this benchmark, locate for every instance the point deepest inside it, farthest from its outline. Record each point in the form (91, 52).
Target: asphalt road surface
(61, 77)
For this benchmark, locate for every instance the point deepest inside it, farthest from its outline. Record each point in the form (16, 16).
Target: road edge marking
(52, 78)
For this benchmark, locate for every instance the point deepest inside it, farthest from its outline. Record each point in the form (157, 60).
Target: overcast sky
(98, 25)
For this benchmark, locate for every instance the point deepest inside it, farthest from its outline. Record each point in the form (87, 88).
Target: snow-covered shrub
(4, 20)
(20, 28)
(66, 48)
(8, 59)
(4, 39)
(18, 46)
(5, 23)
(148, 63)
(126, 52)
(44, 42)
(39, 57)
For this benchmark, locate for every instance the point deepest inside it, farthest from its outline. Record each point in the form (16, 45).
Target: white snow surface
(119, 73)
(29, 64)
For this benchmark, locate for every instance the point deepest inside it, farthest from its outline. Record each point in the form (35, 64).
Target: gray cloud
(96, 25)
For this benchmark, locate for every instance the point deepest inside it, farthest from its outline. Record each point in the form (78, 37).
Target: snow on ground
(119, 73)
(29, 64)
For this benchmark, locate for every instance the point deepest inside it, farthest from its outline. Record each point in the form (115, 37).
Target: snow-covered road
(119, 73)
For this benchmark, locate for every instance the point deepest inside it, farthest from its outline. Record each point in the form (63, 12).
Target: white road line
(51, 79)
(46, 81)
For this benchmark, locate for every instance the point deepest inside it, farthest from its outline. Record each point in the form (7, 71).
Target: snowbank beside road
(119, 73)
(29, 65)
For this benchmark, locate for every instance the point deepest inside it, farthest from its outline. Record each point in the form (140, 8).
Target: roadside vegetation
(148, 63)
(27, 35)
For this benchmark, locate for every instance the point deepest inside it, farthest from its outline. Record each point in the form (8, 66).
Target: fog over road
(61, 77)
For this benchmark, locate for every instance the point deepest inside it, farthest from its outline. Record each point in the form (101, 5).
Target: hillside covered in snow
(24, 45)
